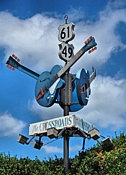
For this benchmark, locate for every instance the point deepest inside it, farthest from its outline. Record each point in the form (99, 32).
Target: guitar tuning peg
(88, 40)
(7, 66)
(92, 50)
(16, 58)
(95, 48)
(13, 55)
(10, 67)
(89, 51)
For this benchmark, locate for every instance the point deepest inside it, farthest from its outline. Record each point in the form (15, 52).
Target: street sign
(66, 32)
(66, 51)
(70, 121)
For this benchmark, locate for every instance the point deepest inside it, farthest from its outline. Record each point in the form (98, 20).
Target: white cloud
(75, 148)
(53, 149)
(34, 40)
(57, 149)
(117, 4)
(104, 32)
(44, 113)
(106, 107)
(10, 126)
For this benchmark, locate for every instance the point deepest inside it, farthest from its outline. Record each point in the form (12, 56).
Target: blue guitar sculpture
(53, 80)
(43, 81)
(46, 95)
(81, 90)
(49, 83)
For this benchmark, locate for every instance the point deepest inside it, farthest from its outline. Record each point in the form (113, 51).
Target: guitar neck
(71, 62)
(92, 77)
(12, 62)
(28, 72)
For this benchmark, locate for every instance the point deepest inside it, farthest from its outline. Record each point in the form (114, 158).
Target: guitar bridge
(40, 95)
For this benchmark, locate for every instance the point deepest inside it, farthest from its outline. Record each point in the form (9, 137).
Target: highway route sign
(66, 32)
(66, 51)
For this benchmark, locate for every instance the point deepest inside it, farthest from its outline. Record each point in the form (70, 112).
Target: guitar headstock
(90, 44)
(12, 62)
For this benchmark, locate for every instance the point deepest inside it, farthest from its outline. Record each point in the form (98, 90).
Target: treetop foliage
(95, 161)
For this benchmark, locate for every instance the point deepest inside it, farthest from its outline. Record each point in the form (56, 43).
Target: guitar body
(76, 106)
(44, 92)
(81, 79)
(83, 86)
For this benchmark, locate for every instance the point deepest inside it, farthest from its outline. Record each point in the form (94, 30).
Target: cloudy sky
(30, 30)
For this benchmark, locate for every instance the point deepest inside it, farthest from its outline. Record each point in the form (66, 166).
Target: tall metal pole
(66, 98)
(66, 52)
(66, 143)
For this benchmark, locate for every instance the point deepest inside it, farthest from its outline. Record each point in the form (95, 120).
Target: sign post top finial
(66, 18)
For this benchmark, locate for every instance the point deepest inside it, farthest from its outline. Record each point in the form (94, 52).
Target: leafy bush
(92, 162)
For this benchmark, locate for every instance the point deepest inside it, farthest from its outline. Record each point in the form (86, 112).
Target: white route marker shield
(66, 32)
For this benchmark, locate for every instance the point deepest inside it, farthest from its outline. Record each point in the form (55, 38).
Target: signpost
(70, 91)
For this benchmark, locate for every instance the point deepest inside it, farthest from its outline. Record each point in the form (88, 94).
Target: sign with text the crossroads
(70, 121)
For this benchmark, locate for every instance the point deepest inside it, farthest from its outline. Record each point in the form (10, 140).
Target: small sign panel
(69, 121)
(66, 32)
(66, 51)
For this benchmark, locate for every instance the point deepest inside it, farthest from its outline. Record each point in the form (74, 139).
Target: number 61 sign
(66, 32)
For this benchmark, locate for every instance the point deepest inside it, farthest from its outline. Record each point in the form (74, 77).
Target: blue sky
(30, 30)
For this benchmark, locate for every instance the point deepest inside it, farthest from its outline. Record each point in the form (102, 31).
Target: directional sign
(66, 51)
(70, 121)
(66, 32)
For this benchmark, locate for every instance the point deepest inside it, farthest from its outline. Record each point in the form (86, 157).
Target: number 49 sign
(66, 51)
(66, 32)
